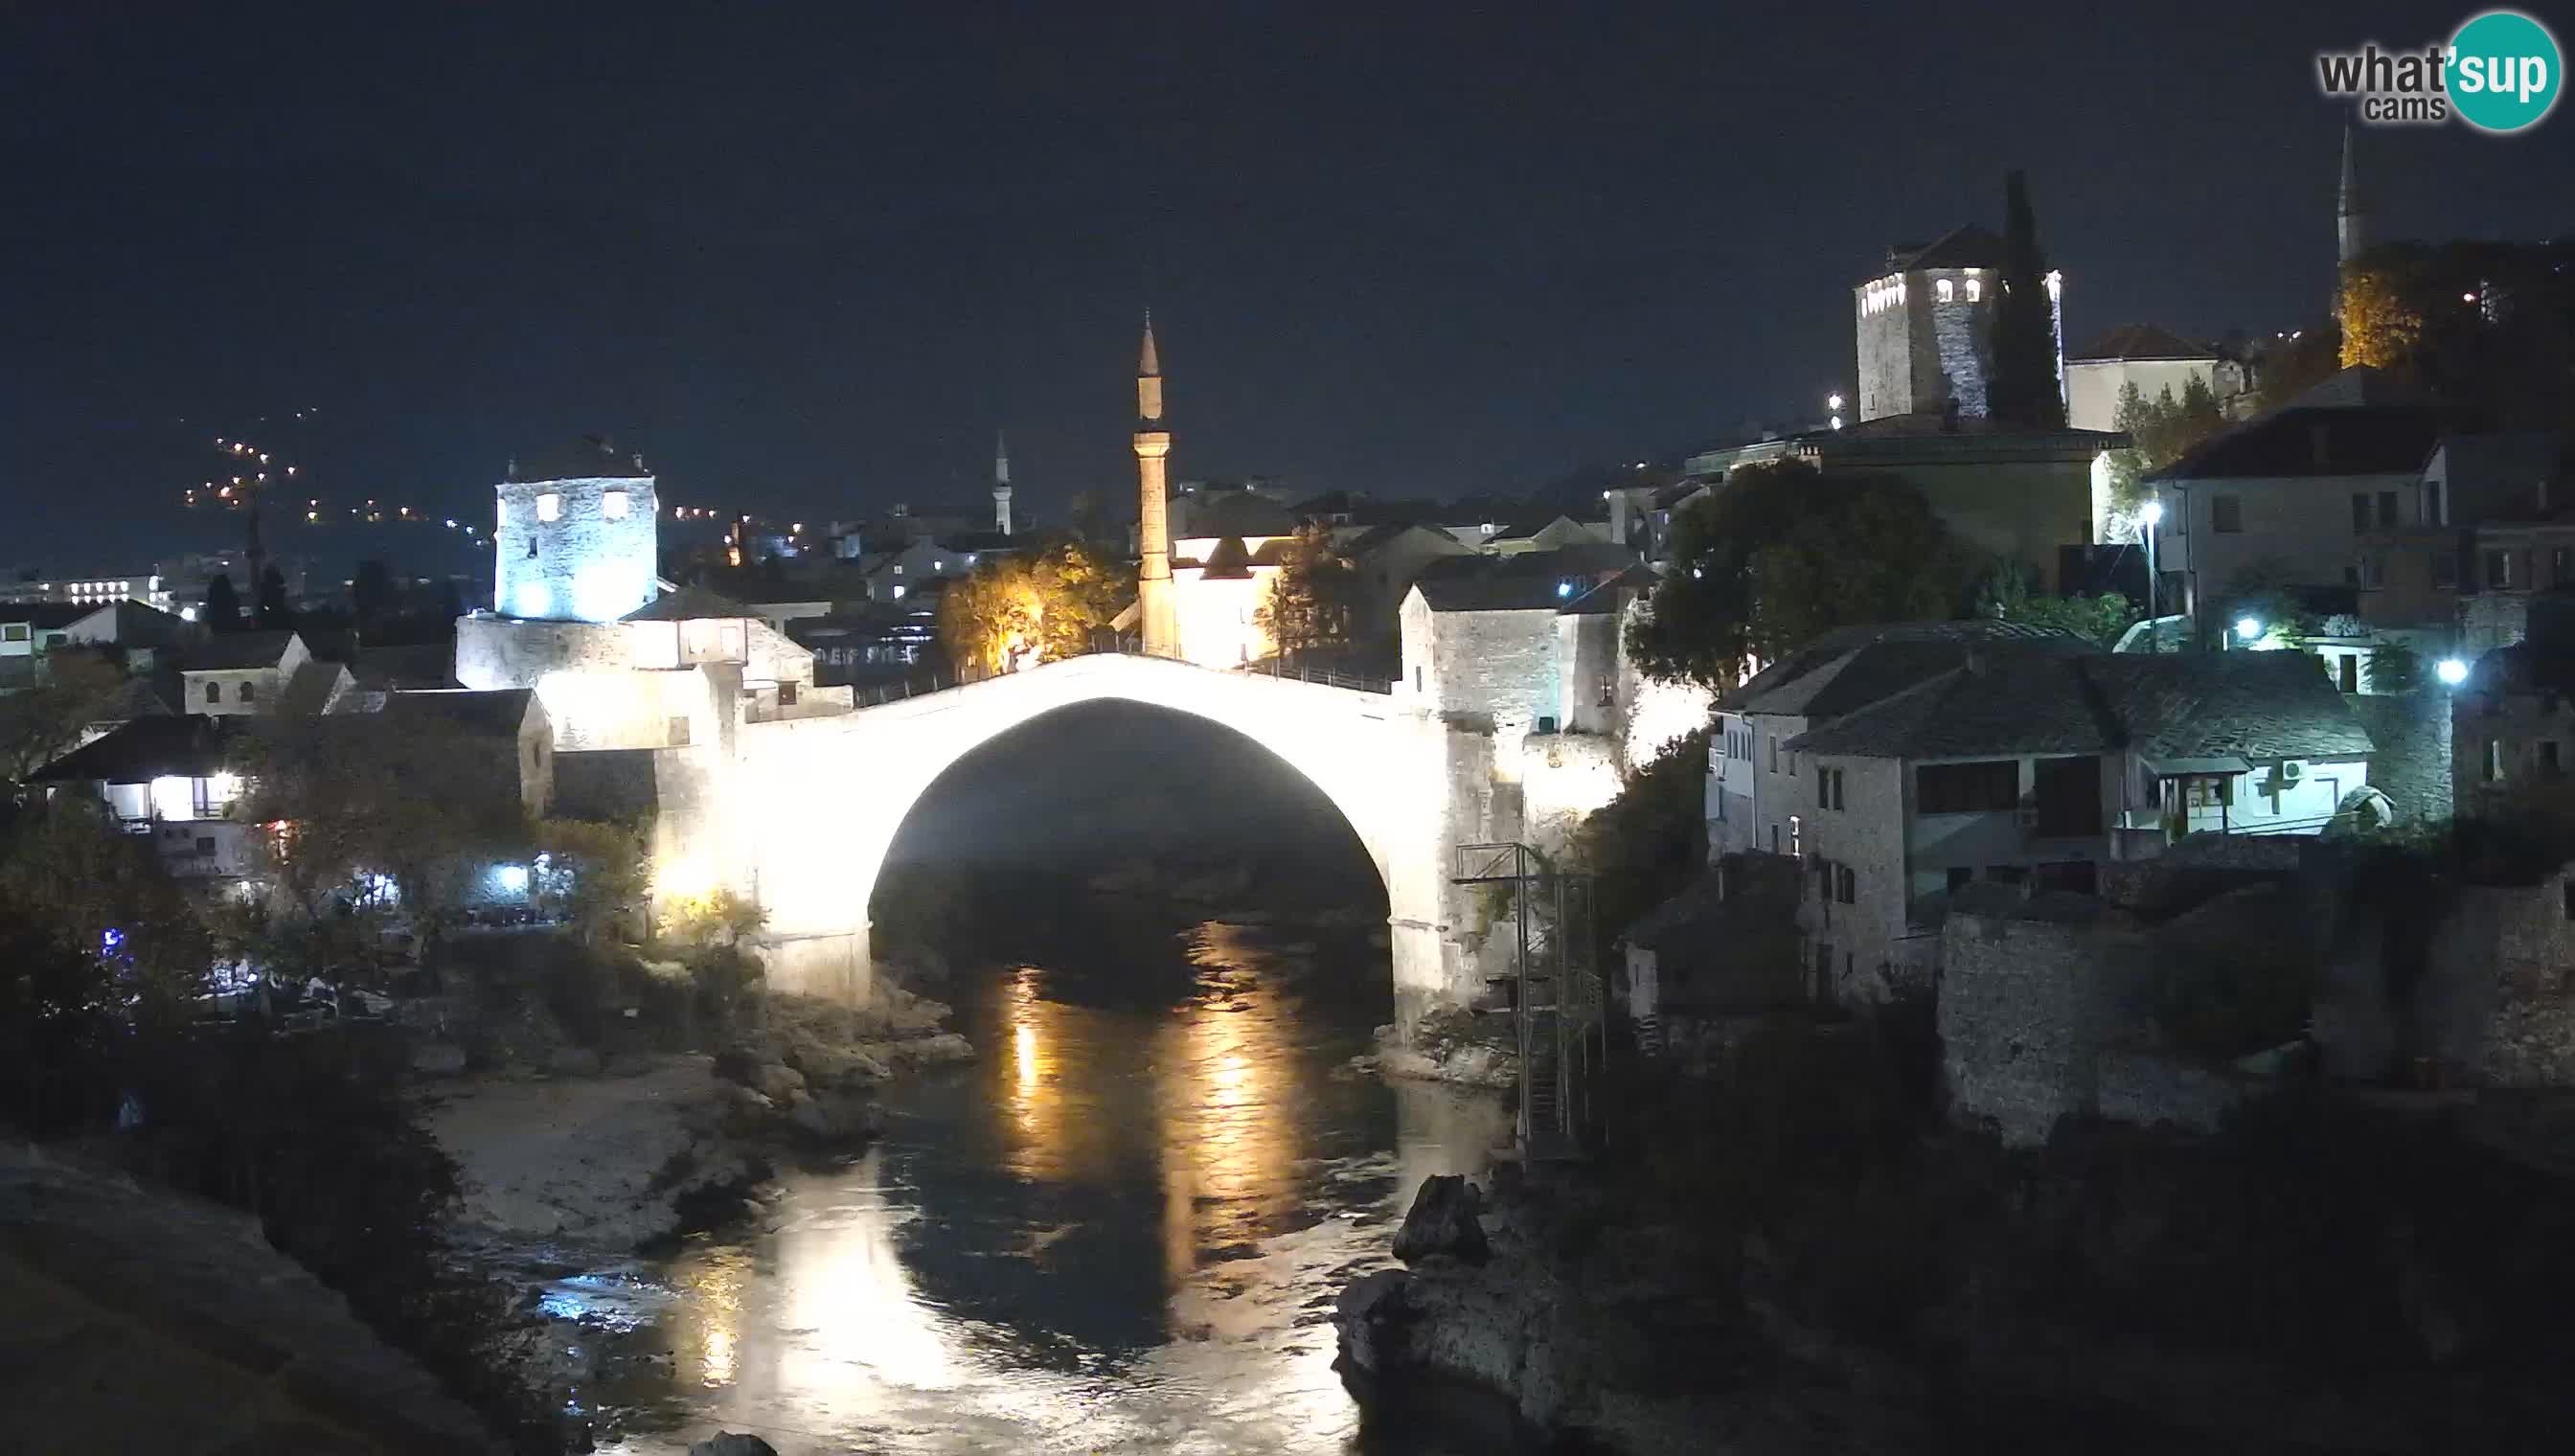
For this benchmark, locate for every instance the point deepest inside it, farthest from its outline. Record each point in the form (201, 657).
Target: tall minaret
(1160, 620)
(2351, 211)
(1001, 483)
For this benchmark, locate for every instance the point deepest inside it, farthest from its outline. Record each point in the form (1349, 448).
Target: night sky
(809, 263)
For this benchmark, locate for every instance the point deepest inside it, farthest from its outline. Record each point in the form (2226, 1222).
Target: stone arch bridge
(802, 811)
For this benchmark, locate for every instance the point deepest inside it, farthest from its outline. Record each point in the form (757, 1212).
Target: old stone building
(575, 537)
(1926, 326)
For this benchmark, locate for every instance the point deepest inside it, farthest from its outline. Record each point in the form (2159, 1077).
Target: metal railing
(1324, 676)
(1556, 992)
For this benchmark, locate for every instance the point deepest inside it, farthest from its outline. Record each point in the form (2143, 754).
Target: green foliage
(2291, 366)
(596, 872)
(273, 613)
(43, 722)
(2024, 390)
(1651, 840)
(222, 608)
(2006, 597)
(1781, 553)
(2394, 667)
(716, 917)
(2479, 324)
(2162, 430)
(80, 881)
(1018, 610)
(1314, 601)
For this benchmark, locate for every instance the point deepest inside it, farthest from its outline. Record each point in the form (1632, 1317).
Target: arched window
(248, 693)
(214, 693)
(1976, 290)
(1945, 289)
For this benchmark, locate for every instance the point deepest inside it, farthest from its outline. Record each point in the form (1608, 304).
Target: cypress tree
(2024, 393)
(221, 611)
(273, 613)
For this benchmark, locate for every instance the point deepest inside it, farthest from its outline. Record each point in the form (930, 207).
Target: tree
(1015, 611)
(39, 724)
(591, 872)
(273, 613)
(2292, 366)
(68, 869)
(370, 596)
(1312, 602)
(2160, 430)
(2381, 326)
(2025, 392)
(713, 917)
(1782, 552)
(451, 603)
(222, 610)
(2103, 619)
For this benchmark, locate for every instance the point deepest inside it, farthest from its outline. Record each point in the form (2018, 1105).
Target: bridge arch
(811, 806)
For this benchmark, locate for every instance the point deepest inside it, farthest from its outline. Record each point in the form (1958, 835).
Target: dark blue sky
(809, 262)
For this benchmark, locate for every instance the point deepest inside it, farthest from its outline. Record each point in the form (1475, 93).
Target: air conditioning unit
(2291, 771)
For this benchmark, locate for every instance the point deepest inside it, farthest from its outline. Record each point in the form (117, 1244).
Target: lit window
(1946, 290)
(550, 507)
(613, 505)
(1976, 290)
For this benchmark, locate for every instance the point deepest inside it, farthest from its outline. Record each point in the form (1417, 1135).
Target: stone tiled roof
(1967, 246)
(233, 651)
(2140, 341)
(188, 745)
(589, 458)
(489, 712)
(46, 614)
(2318, 440)
(1754, 695)
(689, 604)
(2253, 705)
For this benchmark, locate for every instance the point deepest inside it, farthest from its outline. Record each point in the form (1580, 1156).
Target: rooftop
(1753, 696)
(485, 712)
(233, 651)
(689, 604)
(2315, 440)
(1967, 246)
(589, 458)
(2140, 342)
(184, 744)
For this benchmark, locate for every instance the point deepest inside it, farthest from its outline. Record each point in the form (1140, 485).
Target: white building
(2156, 360)
(2033, 767)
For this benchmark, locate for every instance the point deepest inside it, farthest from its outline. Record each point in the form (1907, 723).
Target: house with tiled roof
(2155, 360)
(2033, 767)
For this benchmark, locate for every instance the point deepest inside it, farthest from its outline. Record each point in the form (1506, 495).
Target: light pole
(2154, 516)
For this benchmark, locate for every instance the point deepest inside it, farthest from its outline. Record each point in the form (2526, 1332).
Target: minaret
(2351, 212)
(1162, 623)
(1001, 483)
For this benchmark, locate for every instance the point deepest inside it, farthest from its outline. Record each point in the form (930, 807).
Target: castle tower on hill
(1926, 326)
(1001, 483)
(1156, 611)
(577, 536)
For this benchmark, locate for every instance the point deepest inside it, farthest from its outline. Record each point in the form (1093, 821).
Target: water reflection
(1116, 1229)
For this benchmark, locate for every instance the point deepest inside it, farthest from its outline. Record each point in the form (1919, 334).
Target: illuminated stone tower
(2351, 211)
(1001, 483)
(1154, 608)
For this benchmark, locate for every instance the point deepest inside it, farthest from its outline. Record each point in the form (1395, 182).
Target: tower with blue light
(578, 536)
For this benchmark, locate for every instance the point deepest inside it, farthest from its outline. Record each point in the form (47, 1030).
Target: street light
(2451, 672)
(2247, 627)
(2152, 513)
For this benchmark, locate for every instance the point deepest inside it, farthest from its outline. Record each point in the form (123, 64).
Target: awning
(2178, 767)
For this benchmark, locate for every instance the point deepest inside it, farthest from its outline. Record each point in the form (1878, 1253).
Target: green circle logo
(2504, 72)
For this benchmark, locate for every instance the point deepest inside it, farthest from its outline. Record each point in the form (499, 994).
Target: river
(1122, 1228)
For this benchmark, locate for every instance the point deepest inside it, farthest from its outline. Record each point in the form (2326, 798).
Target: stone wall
(2412, 763)
(1563, 779)
(1961, 344)
(2026, 1005)
(583, 565)
(1495, 670)
(2497, 999)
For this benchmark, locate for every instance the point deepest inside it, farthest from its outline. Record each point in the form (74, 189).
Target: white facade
(2092, 385)
(2214, 529)
(230, 692)
(575, 550)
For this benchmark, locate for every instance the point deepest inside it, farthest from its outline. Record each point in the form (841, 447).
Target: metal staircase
(1551, 993)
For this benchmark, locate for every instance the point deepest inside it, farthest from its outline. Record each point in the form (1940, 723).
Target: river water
(1121, 1229)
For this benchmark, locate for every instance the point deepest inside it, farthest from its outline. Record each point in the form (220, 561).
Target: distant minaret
(1001, 483)
(2351, 211)
(1162, 623)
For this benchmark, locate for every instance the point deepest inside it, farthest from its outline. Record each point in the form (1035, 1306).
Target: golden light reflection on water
(1232, 1103)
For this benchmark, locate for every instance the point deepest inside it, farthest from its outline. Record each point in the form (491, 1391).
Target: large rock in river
(1443, 1223)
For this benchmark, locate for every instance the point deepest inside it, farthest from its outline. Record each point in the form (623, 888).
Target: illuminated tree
(1019, 610)
(2160, 430)
(2381, 327)
(1313, 600)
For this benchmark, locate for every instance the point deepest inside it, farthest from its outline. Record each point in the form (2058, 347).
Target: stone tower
(2351, 211)
(576, 538)
(1001, 483)
(1156, 612)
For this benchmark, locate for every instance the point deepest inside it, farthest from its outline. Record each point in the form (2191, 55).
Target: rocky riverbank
(1450, 1047)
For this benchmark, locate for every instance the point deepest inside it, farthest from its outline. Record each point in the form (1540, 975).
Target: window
(612, 504)
(2227, 514)
(248, 693)
(550, 507)
(1774, 756)
(214, 693)
(2432, 504)
(2498, 570)
(13, 632)
(1945, 289)
(1960, 877)
(678, 735)
(1417, 680)
(205, 844)
(1797, 837)
(2359, 511)
(1976, 290)
(2491, 771)
(2387, 508)
(1828, 788)
(2561, 565)
(1846, 885)
(2210, 790)
(787, 695)
(1950, 788)
(2350, 664)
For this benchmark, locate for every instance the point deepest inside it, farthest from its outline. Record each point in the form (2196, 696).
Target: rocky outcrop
(729, 1443)
(1443, 1223)
(142, 1320)
(1446, 1047)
